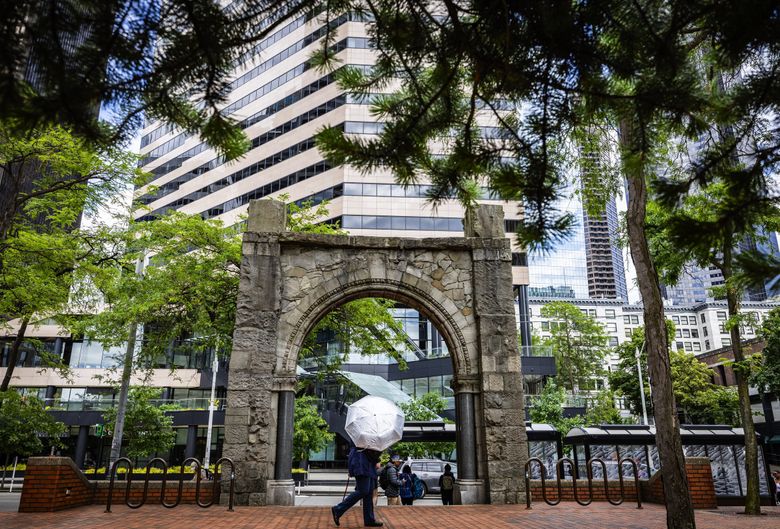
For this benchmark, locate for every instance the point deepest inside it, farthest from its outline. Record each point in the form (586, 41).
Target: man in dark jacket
(362, 464)
(393, 489)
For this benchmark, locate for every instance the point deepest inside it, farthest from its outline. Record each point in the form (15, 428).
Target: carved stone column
(468, 488)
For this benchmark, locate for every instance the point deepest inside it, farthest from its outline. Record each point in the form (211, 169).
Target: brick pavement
(596, 516)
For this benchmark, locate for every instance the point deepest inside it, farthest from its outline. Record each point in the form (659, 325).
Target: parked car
(429, 471)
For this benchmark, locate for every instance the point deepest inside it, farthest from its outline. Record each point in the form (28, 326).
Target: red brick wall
(582, 490)
(700, 484)
(53, 484)
(153, 494)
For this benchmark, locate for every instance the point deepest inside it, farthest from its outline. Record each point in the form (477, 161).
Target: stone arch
(464, 285)
(435, 309)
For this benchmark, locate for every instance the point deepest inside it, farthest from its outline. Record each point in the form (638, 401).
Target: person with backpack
(390, 481)
(408, 482)
(447, 485)
(361, 463)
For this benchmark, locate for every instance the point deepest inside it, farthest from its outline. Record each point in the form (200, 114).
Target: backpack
(419, 489)
(383, 479)
(447, 482)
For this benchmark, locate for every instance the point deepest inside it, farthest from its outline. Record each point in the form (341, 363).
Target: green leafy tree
(706, 227)
(548, 408)
(310, 432)
(602, 409)
(147, 429)
(26, 428)
(578, 342)
(49, 179)
(428, 407)
(698, 399)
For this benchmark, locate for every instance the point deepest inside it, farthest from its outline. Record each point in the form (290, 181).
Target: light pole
(641, 383)
(214, 368)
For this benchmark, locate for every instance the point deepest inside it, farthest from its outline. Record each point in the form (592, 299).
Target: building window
(679, 346)
(686, 333)
(635, 320)
(703, 319)
(706, 332)
(721, 316)
(628, 332)
(694, 333)
(613, 342)
(627, 320)
(676, 320)
(726, 342)
(546, 327)
(677, 333)
(688, 346)
(610, 313)
(707, 344)
(611, 327)
(696, 347)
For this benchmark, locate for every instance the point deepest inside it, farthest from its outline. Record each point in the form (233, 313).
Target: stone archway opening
(289, 281)
(375, 346)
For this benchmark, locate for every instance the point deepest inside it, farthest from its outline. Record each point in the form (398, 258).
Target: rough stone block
(266, 216)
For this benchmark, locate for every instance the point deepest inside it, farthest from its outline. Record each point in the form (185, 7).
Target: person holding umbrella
(362, 464)
(374, 424)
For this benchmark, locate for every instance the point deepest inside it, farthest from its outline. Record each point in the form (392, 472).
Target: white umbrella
(375, 423)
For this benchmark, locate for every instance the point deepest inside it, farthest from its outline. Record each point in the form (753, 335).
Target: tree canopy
(26, 428)
(427, 407)
(578, 342)
(310, 431)
(147, 429)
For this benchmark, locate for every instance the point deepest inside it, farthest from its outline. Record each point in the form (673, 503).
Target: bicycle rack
(559, 471)
(215, 492)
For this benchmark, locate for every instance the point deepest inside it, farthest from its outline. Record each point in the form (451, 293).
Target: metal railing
(559, 470)
(215, 491)
(201, 403)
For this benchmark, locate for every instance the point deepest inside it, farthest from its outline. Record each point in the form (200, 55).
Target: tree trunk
(124, 388)
(679, 508)
(752, 499)
(13, 356)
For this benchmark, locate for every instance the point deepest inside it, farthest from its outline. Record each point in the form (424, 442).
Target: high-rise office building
(281, 102)
(588, 264)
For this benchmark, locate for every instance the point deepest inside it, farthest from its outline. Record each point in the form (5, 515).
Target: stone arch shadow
(291, 280)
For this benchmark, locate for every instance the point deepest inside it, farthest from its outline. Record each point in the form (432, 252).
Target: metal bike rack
(216, 490)
(559, 470)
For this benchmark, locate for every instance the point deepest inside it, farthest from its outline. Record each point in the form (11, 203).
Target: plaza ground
(596, 516)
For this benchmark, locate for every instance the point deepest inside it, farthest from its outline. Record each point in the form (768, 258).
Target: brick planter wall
(700, 483)
(629, 490)
(53, 484)
(153, 494)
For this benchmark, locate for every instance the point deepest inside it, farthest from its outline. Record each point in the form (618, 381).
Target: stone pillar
(281, 489)
(499, 404)
(192, 440)
(250, 417)
(81, 445)
(468, 489)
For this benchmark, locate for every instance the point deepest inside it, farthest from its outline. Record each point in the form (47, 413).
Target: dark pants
(407, 501)
(446, 497)
(364, 488)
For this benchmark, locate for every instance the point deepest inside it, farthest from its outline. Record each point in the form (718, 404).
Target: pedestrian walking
(391, 481)
(362, 466)
(447, 485)
(408, 486)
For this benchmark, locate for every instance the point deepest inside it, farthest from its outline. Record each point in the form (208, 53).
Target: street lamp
(215, 367)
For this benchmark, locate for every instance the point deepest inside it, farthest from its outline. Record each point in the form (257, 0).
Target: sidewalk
(596, 516)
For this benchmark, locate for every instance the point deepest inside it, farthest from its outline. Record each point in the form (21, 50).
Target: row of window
(262, 139)
(271, 39)
(239, 175)
(417, 387)
(255, 118)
